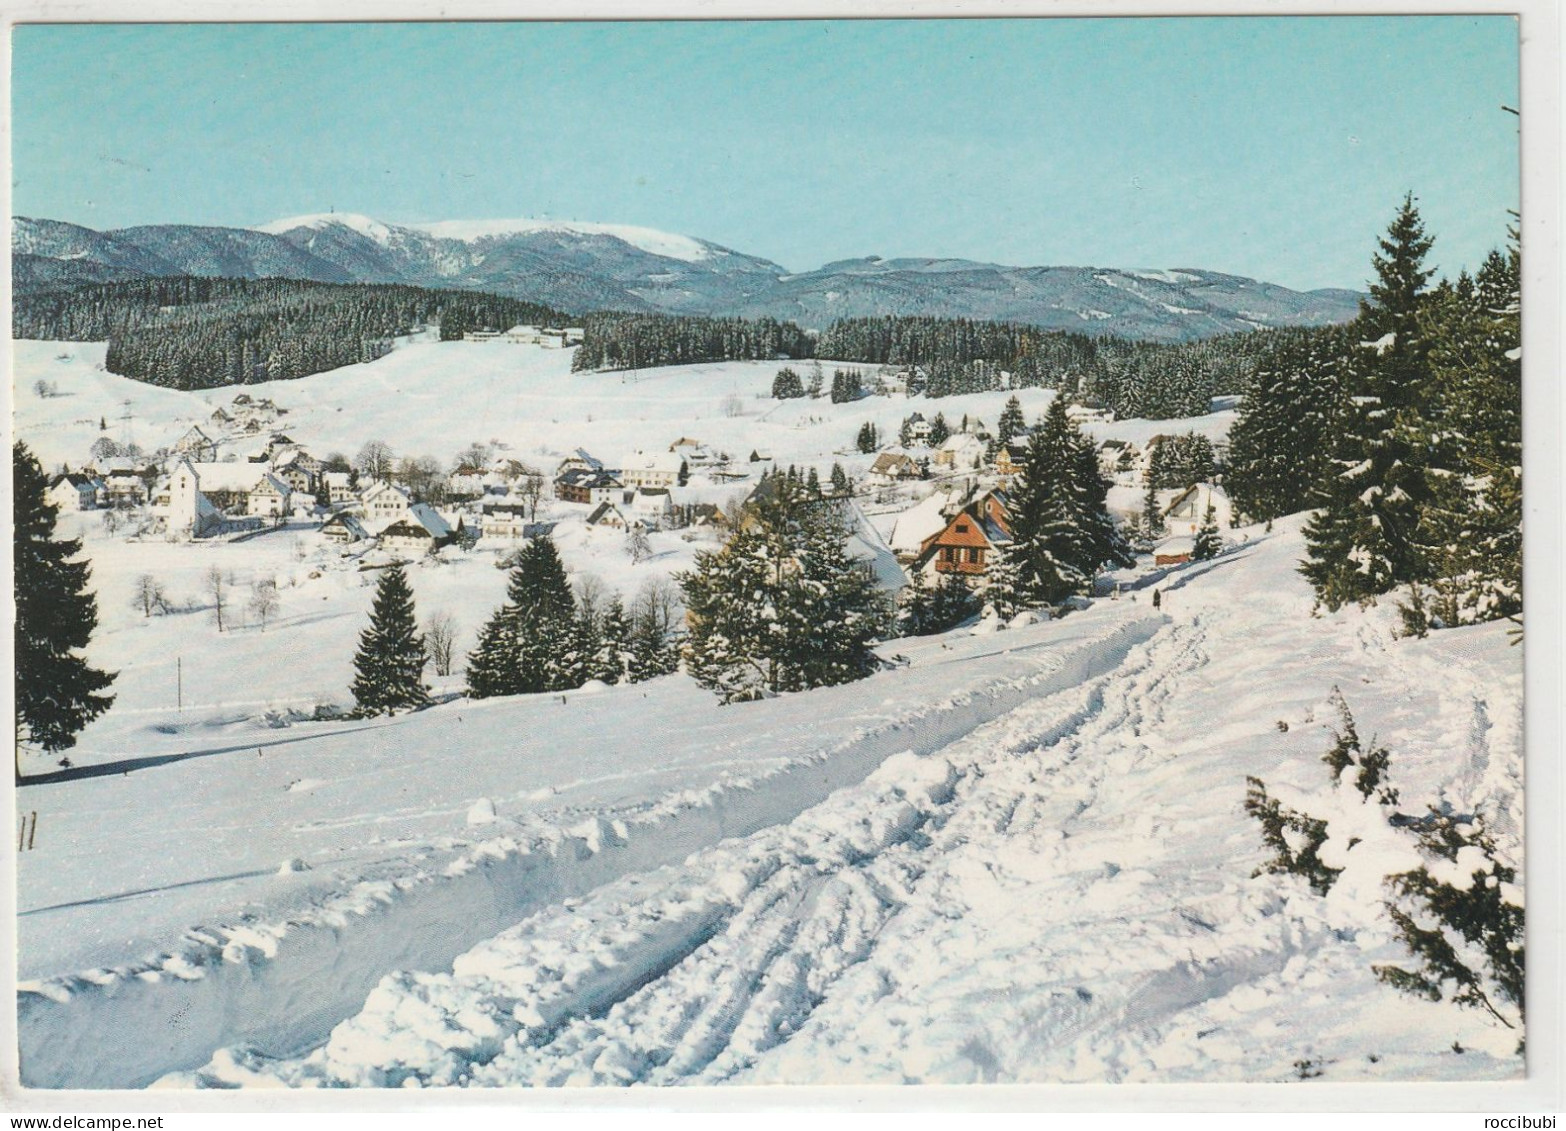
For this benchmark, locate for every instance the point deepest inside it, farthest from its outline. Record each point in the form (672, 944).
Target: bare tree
(475, 455)
(636, 544)
(217, 585)
(374, 460)
(590, 592)
(41, 388)
(149, 596)
(263, 600)
(530, 489)
(732, 405)
(440, 638)
(423, 476)
(111, 520)
(658, 601)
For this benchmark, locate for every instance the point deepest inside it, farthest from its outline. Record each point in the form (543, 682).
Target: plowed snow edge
(283, 995)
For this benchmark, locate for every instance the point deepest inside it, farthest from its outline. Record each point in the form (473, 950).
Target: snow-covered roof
(270, 482)
(1180, 544)
(602, 512)
(229, 476)
(867, 546)
(655, 461)
(380, 487)
(890, 461)
(348, 522)
(427, 517)
(918, 523)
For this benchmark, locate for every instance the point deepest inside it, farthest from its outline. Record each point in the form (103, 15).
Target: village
(931, 505)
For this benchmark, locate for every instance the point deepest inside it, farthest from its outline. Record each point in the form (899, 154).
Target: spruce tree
(531, 642)
(1012, 423)
(1208, 542)
(492, 665)
(545, 618)
(782, 606)
(652, 653)
(838, 479)
(1059, 531)
(1107, 545)
(1281, 442)
(787, 384)
(940, 431)
(57, 691)
(389, 666)
(1152, 513)
(1363, 540)
(613, 660)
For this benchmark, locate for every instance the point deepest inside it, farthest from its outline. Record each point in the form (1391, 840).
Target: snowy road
(1064, 893)
(1022, 857)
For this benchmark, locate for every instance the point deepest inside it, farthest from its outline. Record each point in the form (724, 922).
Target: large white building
(653, 469)
(201, 495)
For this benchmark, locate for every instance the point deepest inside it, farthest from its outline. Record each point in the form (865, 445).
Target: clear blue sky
(1271, 147)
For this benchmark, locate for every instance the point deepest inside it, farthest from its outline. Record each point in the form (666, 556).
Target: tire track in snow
(286, 1000)
(808, 901)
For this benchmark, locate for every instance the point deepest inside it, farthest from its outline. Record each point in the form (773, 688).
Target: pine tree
(839, 479)
(389, 666)
(613, 660)
(940, 431)
(652, 653)
(1281, 442)
(57, 691)
(1152, 513)
(492, 665)
(1107, 545)
(787, 384)
(531, 642)
(545, 618)
(1208, 542)
(1470, 529)
(782, 606)
(1061, 532)
(1362, 542)
(1012, 423)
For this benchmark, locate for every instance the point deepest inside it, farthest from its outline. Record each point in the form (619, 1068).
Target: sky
(1277, 148)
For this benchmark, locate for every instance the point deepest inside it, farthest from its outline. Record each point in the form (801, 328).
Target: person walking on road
(1158, 600)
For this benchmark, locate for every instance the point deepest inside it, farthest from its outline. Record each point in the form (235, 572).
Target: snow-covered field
(1020, 856)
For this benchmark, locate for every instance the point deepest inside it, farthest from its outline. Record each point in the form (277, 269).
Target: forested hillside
(637, 341)
(197, 333)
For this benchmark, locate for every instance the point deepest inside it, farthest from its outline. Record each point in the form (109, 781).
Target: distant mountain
(588, 266)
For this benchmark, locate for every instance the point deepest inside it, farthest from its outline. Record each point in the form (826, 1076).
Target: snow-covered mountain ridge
(581, 266)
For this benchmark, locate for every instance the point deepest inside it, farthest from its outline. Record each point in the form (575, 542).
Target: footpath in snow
(320, 861)
(1060, 890)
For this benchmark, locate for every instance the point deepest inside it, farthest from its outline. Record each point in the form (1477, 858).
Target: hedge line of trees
(956, 355)
(199, 333)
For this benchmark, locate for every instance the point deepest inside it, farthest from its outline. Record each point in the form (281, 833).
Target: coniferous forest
(199, 333)
(639, 341)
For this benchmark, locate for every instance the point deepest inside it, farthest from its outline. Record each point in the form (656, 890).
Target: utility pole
(179, 683)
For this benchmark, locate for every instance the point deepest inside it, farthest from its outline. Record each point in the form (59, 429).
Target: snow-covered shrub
(1347, 753)
(1458, 909)
(1461, 917)
(1294, 838)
